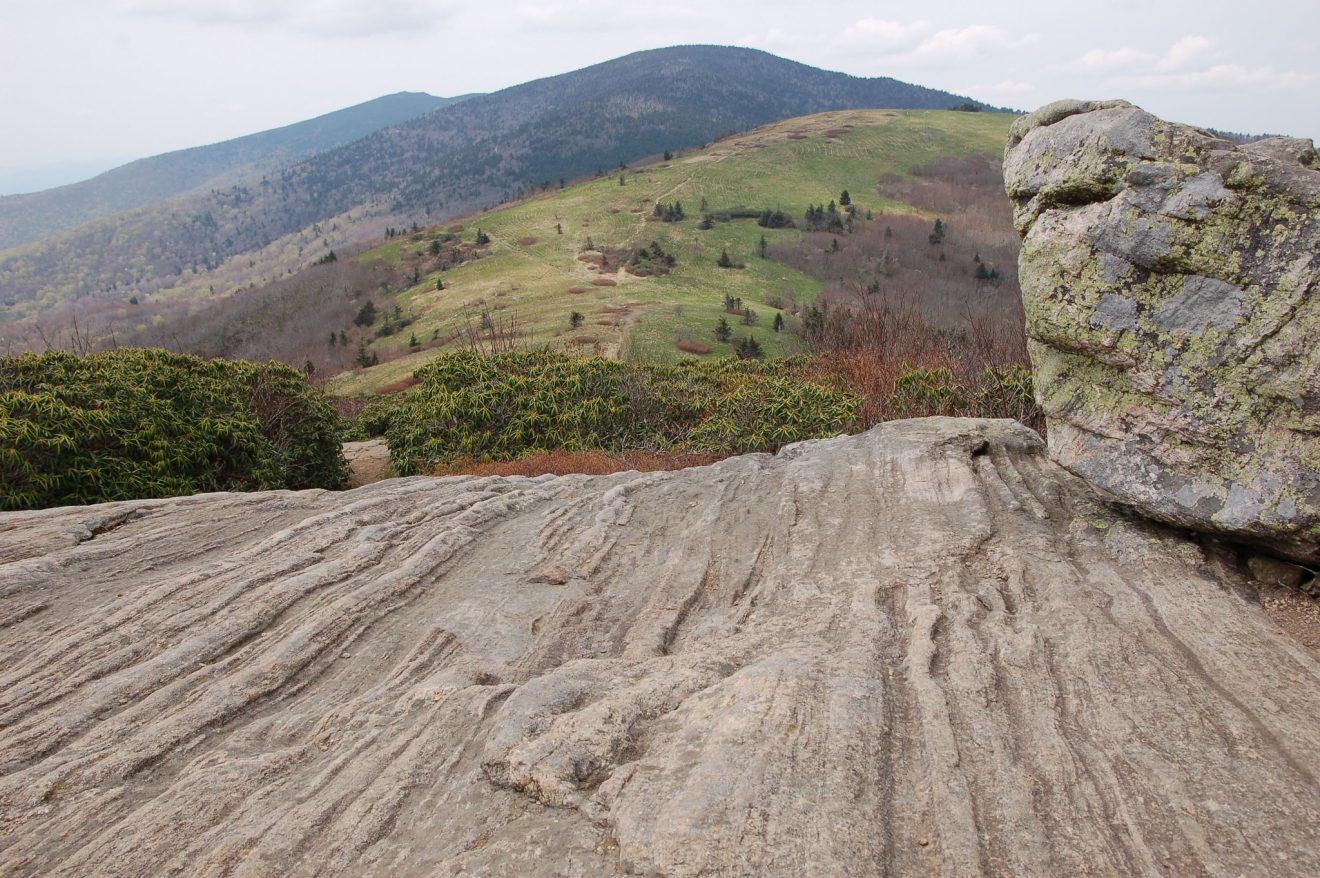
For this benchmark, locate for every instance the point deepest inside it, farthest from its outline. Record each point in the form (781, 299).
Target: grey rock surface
(1171, 281)
(918, 651)
(368, 461)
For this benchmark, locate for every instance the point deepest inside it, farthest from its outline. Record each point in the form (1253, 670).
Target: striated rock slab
(1172, 289)
(368, 462)
(921, 650)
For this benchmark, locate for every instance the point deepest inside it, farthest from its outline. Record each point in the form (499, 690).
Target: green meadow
(531, 275)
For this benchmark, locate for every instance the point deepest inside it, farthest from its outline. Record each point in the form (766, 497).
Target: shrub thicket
(507, 406)
(140, 423)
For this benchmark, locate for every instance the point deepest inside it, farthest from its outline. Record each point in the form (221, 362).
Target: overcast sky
(108, 80)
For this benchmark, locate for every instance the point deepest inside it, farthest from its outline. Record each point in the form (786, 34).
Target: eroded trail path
(921, 650)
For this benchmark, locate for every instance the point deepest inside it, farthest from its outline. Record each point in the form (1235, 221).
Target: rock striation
(1171, 280)
(921, 650)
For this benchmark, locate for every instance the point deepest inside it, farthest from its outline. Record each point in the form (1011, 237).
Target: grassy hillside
(532, 273)
(454, 160)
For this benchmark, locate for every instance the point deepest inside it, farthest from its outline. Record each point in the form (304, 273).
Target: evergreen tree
(749, 349)
(814, 321)
(845, 199)
(482, 238)
(413, 342)
(779, 323)
(725, 261)
(366, 315)
(333, 339)
(363, 359)
(575, 319)
(764, 245)
(723, 332)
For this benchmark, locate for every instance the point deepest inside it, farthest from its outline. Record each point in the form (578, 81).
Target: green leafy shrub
(374, 420)
(998, 392)
(511, 405)
(140, 423)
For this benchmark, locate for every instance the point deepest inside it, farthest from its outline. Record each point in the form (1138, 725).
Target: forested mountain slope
(461, 157)
(36, 215)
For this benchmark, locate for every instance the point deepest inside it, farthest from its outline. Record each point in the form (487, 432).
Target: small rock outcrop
(923, 650)
(1171, 280)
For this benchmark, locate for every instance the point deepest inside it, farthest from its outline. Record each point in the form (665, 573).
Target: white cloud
(775, 39)
(884, 36)
(1190, 62)
(336, 18)
(1216, 75)
(917, 43)
(1005, 87)
(1102, 60)
(1187, 53)
(599, 16)
(965, 43)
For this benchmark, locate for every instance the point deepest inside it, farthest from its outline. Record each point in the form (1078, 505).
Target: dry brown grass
(692, 346)
(562, 463)
(584, 339)
(396, 386)
(605, 282)
(865, 348)
(577, 290)
(527, 240)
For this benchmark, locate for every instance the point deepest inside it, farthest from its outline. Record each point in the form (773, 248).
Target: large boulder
(925, 650)
(1170, 283)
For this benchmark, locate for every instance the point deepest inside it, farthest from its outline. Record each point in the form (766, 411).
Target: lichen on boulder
(1170, 280)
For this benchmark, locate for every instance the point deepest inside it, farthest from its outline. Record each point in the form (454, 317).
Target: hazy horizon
(152, 76)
